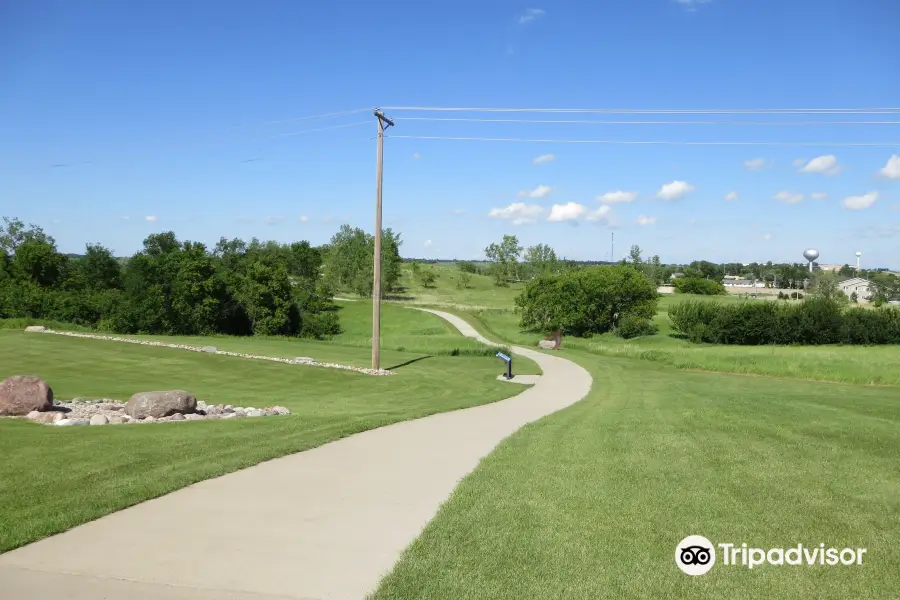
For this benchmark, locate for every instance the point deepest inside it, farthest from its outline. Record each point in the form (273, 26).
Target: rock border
(212, 350)
(78, 411)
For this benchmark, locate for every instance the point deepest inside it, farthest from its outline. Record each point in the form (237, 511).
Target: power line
(322, 116)
(687, 111)
(594, 122)
(649, 142)
(354, 124)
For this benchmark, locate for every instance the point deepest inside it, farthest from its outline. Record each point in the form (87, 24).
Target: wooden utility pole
(383, 123)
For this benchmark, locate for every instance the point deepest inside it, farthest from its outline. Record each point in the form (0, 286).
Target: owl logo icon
(695, 555)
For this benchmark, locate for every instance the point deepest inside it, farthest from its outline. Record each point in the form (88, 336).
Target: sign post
(508, 361)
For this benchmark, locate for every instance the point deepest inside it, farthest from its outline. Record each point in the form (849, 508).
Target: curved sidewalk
(327, 523)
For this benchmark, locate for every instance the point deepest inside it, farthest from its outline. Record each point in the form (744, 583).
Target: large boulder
(21, 394)
(160, 404)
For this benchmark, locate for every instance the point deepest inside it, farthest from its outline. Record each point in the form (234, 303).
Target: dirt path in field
(327, 523)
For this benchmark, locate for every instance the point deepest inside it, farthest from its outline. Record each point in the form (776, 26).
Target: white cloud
(823, 164)
(767, 236)
(789, 197)
(799, 162)
(571, 211)
(427, 243)
(617, 197)
(417, 156)
(518, 212)
(125, 218)
(818, 195)
(642, 220)
(530, 15)
(538, 192)
(303, 219)
(674, 190)
(860, 202)
(755, 164)
(150, 219)
(602, 214)
(543, 159)
(274, 220)
(732, 196)
(892, 169)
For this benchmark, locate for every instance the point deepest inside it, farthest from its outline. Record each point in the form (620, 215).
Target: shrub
(464, 280)
(427, 277)
(687, 316)
(631, 326)
(320, 325)
(814, 321)
(696, 285)
(586, 301)
(468, 266)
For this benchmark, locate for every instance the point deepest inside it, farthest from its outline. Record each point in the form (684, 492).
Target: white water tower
(858, 254)
(810, 254)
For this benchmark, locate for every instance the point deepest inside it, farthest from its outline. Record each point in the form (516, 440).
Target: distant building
(676, 276)
(863, 288)
(742, 283)
(831, 267)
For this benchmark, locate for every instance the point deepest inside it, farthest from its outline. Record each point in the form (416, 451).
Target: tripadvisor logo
(696, 555)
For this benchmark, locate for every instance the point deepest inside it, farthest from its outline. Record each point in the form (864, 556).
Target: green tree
(635, 255)
(505, 258)
(265, 293)
(587, 301)
(541, 259)
(464, 281)
(827, 287)
(696, 285)
(350, 260)
(427, 277)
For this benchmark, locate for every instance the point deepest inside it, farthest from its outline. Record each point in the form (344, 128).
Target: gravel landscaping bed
(111, 412)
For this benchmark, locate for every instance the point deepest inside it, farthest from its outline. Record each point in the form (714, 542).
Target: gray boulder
(255, 412)
(177, 417)
(117, 421)
(212, 349)
(160, 404)
(21, 394)
(35, 329)
(99, 420)
(72, 422)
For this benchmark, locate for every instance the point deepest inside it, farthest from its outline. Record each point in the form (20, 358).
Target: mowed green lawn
(406, 334)
(867, 365)
(590, 502)
(480, 293)
(53, 478)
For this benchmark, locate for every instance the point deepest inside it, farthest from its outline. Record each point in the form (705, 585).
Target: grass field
(868, 365)
(591, 502)
(54, 478)
(481, 292)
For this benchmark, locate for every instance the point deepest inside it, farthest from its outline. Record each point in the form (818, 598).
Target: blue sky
(180, 112)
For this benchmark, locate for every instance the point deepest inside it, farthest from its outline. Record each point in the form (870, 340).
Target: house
(738, 283)
(863, 288)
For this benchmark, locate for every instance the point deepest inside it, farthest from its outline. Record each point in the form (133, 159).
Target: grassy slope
(406, 334)
(590, 502)
(54, 478)
(849, 364)
(481, 293)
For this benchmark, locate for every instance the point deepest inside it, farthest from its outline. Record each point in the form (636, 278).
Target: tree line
(176, 287)
(817, 320)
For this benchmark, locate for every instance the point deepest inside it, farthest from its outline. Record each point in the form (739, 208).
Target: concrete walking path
(327, 523)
